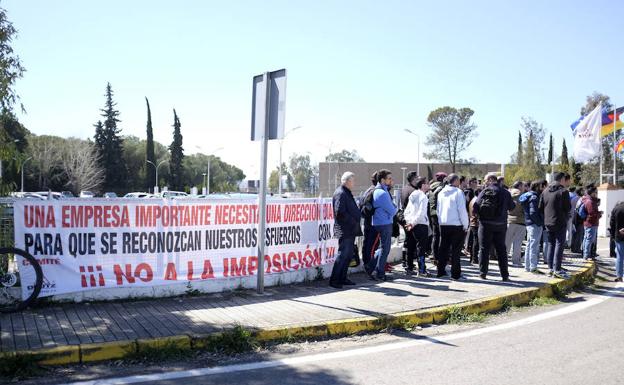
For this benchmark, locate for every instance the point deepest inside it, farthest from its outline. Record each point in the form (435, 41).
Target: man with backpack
(534, 221)
(383, 218)
(453, 220)
(491, 207)
(367, 211)
(588, 210)
(436, 187)
(516, 227)
(555, 205)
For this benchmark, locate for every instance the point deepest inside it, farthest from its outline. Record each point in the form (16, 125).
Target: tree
(550, 150)
(519, 154)
(150, 180)
(45, 151)
(134, 157)
(81, 166)
(590, 171)
(344, 156)
(274, 180)
(109, 146)
(302, 172)
(564, 155)
(176, 167)
(10, 65)
(530, 125)
(452, 133)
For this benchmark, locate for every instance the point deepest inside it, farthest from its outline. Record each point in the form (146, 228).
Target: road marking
(355, 352)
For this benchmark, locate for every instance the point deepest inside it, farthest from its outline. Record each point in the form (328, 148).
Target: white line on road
(354, 352)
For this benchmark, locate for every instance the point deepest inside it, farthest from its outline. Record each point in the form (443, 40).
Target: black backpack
(367, 209)
(490, 206)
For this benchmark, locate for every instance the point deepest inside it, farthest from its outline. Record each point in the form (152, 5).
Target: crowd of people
(450, 216)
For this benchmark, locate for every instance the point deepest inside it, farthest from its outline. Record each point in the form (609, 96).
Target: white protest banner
(85, 244)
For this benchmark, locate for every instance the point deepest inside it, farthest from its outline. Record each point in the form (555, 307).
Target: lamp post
(156, 167)
(281, 142)
(22, 164)
(418, 149)
(205, 188)
(208, 166)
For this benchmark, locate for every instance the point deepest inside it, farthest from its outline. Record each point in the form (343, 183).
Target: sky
(359, 72)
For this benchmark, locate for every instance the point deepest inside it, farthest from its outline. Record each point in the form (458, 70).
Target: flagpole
(614, 141)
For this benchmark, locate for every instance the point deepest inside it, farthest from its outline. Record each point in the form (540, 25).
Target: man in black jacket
(367, 210)
(492, 207)
(346, 228)
(555, 205)
(616, 230)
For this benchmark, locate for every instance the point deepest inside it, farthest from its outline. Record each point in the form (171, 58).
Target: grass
(19, 367)
(457, 316)
(235, 341)
(170, 351)
(544, 301)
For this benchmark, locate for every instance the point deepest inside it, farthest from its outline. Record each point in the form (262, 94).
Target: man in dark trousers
(346, 228)
(491, 207)
(555, 205)
(406, 191)
(616, 230)
(367, 210)
(436, 187)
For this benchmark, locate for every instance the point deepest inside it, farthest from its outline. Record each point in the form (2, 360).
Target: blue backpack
(581, 211)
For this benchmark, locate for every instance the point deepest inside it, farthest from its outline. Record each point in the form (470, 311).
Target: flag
(587, 136)
(619, 147)
(607, 122)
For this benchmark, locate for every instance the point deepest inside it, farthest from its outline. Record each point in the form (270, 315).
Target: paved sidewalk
(302, 304)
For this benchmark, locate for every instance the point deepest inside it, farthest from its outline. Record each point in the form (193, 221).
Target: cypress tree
(564, 155)
(177, 155)
(520, 155)
(149, 151)
(550, 150)
(109, 145)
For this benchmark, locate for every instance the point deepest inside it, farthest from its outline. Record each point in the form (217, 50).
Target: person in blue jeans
(555, 205)
(383, 217)
(534, 221)
(591, 203)
(616, 229)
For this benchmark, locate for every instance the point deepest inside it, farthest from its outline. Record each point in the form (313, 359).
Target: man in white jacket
(417, 227)
(453, 219)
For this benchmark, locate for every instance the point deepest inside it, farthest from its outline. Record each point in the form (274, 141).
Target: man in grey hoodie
(453, 220)
(516, 228)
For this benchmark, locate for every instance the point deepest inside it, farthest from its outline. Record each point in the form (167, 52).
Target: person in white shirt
(453, 219)
(417, 227)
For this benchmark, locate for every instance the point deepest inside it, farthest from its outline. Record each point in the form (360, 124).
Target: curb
(85, 353)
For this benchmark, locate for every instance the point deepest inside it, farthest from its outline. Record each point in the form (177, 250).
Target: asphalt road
(580, 341)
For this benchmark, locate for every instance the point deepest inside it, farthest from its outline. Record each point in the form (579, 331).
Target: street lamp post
(203, 182)
(281, 142)
(208, 166)
(156, 167)
(22, 167)
(418, 149)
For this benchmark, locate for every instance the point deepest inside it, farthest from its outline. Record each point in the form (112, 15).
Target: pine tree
(109, 145)
(564, 156)
(177, 155)
(149, 150)
(520, 155)
(550, 150)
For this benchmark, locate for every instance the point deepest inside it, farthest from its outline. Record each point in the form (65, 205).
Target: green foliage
(592, 172)
(520, 152)
(150, 179)
(544, 301)
(301, 171)
(564, 155)
(344, 156)
(458, 316)
(453, 133)
(155, 354)
(223, 176)
(233, 341)
(19, 367)
(176, 167)
(10, 65)
(550, 150)
(109, 146)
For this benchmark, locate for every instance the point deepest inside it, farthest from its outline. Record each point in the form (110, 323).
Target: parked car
(174, 194)
(87, 194)
(138, 195)
(50, 194)
(110, 195)
(67, 194)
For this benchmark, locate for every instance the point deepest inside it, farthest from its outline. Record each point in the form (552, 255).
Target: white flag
(587, 136)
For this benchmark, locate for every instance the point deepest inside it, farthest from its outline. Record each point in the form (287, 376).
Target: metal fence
(6, 222)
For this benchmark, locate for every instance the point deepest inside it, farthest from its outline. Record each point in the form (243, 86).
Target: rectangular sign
(86, 244)
(277, 105)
